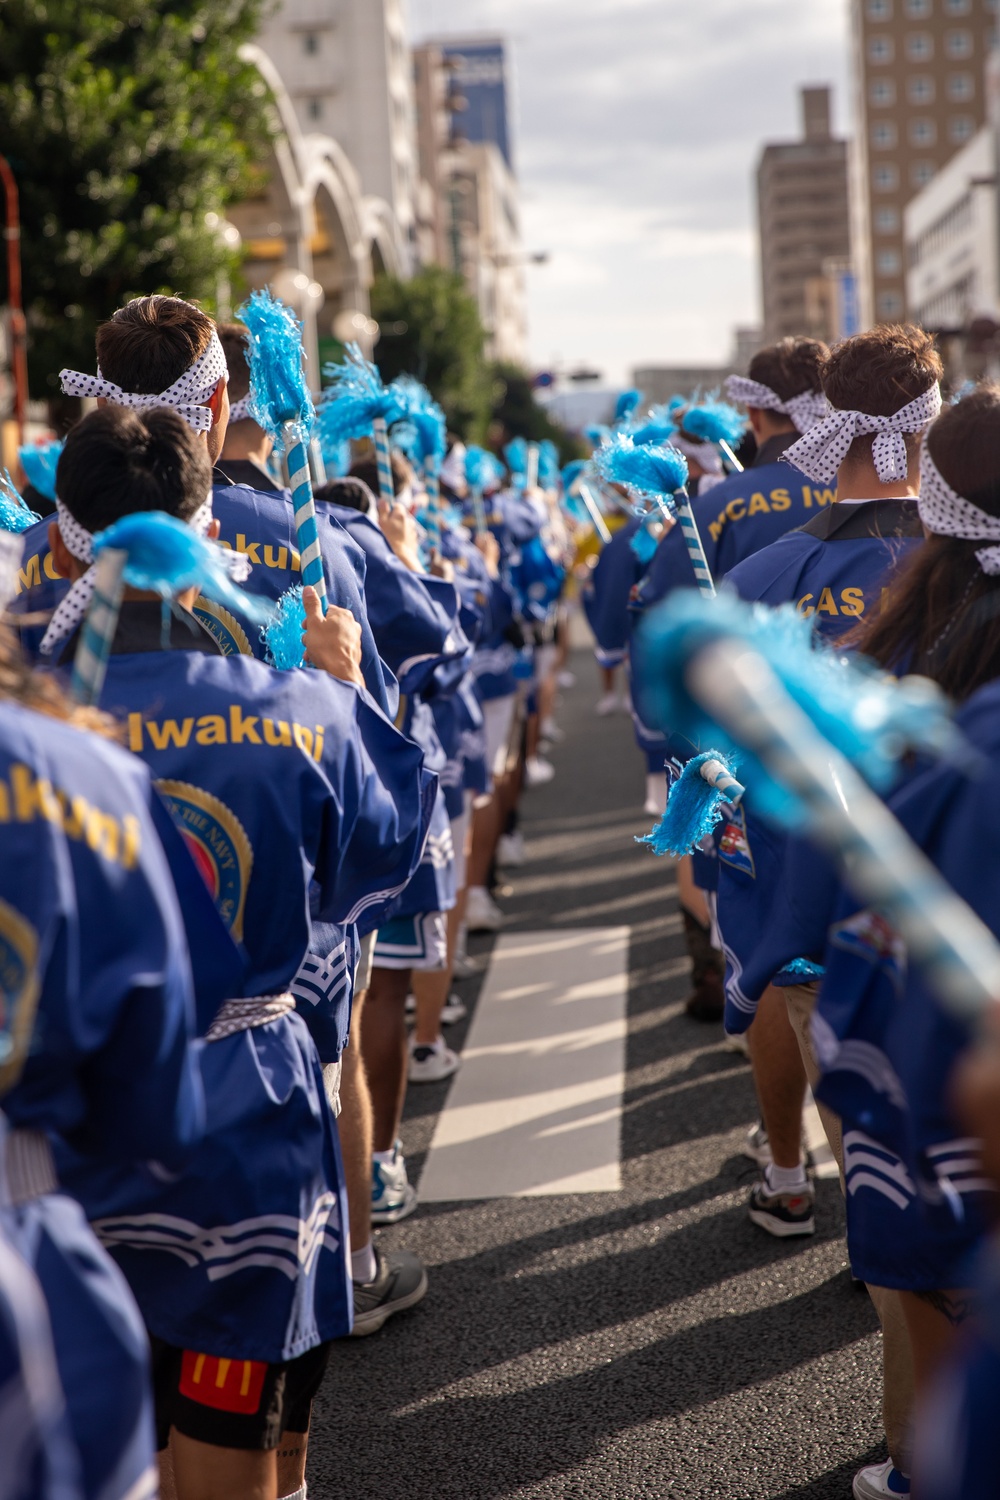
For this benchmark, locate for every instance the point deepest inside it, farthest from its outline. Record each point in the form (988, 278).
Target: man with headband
(883, 389)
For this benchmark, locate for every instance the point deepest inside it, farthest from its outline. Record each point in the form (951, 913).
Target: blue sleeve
(345, 568)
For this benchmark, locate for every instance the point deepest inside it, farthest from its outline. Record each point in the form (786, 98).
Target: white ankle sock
(785, 1179)
(364, 1266)
(299, 1494)
(385, 1157)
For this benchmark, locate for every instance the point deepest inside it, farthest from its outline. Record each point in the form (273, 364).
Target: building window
(314, 109)
(880, 10)
(918, 10)
(886, 178)
(882, 91)
(310, 43)
(889, 305)
(920, 46)
(960, 128)
(887, 221)
(961, 86)
(921, 173)
(888, 263)
(880, 49)
(958, 44)
(883, 135)
(920, 89)
(923, 132)
(957, 7)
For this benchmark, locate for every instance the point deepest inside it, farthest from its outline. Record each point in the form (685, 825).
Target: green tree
(128, 124)
(431, 329)
(520, 415)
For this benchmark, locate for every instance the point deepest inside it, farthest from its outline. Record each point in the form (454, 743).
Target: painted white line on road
(536, 1107)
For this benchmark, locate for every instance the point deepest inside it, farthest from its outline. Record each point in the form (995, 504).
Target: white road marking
(536, 1107)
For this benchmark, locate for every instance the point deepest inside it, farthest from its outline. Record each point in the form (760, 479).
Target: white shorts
(419, 941)
(498, 716)
(363, 972)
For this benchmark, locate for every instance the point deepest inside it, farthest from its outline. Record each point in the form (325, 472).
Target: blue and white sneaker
(880, 1482)
(392, 1196)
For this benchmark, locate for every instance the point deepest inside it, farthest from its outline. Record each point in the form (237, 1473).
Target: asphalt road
(648, 1342)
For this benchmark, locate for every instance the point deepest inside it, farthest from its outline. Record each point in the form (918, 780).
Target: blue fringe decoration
(354, 398)
(166, 557)
(714, 422)
(483, 470)
(693, 808)
(655, 432)
(804, 969)
(643, 543)
(39, 461)
(648, 468)
(548, 464)
(516, 456)
(597, 433)
(872, 718)
(15, 516)
(626, 404)
(421, 412)
(283, 634)
(336, 458)
(278, 390)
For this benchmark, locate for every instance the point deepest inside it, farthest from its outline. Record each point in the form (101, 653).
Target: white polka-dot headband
(80, 542)
(706, 455)
(946, 513)
(239, 410)
(187, 395)
(821, 451)
(805, 410)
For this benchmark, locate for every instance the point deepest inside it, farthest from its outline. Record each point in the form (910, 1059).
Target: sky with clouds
(637, 125)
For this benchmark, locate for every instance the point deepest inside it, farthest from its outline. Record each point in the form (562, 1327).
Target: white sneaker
(393, 1196)
(550, 731)
(481, 912)
(655, 804)
(566, 679)
(736, 1041)
(432, 1064)
(537, 770)
(510, 849)
(453, 1010)
(464, 966)
(609, 704)
(880, 1482)
(757, 1147)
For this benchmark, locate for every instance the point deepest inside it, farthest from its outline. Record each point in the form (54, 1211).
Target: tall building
(469, 215)
(347, 68)
(918, 71)
(802, 205)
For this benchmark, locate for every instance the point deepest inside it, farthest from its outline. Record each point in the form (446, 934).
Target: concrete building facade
(952, 241)
(803, 216)
(919, 99)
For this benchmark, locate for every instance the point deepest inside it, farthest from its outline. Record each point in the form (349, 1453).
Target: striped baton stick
(693, 542)
(531, 471)
(728, 453)
(316, 465)
(876, 857)
(478, 509)
(306, 529)
(593, 511)
(432, 519)
(724, 782)
(383, 461)
(99, 624)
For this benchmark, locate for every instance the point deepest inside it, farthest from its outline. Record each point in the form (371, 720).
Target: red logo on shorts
(227, 1384)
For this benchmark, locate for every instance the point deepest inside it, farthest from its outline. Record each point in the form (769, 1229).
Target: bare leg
(691, 898)
(607, 679)
(204, 1472)
(291, 1453)
(487, 826)
(355, 1127)
(432, 989)
(779, 1077)
(933, 1320)
(385, 1053)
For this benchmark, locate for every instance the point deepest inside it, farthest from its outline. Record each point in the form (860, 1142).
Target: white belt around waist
(241, 1015)
(30, 1169)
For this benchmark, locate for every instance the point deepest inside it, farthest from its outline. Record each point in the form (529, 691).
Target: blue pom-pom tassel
(15, 516)
(278, 390)
(693, 808)
(421, 413)
(649, 468)
(714, 422)
(283, 634)
(354, 398)
(39, 462)
(516, 455)
(644, 544)
(626, 405)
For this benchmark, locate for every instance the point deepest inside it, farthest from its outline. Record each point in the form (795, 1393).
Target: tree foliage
(520, 415)
(128, 124)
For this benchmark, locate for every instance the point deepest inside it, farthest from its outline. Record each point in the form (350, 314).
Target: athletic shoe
(432, 1064)
(510, 849)
(392, 1196)
(566, 679)
(400, 1282)
(879, 1481)
(736, 1041)
(655, 804)
(609, 704)
(757, 1147)
(550, 731)
(537, 770)
(464, 966)
(481, 912)
(453, 1011)
(783, 1214)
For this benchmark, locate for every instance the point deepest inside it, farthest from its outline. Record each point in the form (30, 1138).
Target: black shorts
(233, 1403)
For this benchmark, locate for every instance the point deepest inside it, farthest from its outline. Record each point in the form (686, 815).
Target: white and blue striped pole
(531, 471)
(594, 512)
(728, 453)
(432, 519)
(296, 445)
(90, 663)
(693, 542)
(877, 858)
(478, 509)
(722, 779)
(383, 461)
